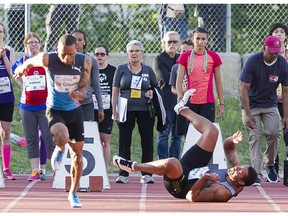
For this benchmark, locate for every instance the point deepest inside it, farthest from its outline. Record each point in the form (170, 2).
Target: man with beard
(68, 74)
(260, 78)
(190, 176)
(162, 66)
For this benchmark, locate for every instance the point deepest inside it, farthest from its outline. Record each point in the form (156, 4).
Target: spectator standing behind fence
(133, 81)
(260, 77)
(7, 58)
(16, 25)
(174, 17)
(213, 18)
(87, 106)
(106, 74)
(201, 66)
(32, 108)
(162, 66)
(59, 15)
(280, 30)
(181, 122)
(71, 71)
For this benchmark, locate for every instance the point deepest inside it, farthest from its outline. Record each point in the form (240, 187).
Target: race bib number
(34, 83)
(105, 100)
(5, 86)
(197, 173)
(66, 83)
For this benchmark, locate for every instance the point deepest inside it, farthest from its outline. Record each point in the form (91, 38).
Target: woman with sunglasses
(106, 74)
(87, 105)
(7, 58)
(32, 108)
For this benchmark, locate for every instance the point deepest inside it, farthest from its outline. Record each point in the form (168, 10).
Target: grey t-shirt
(94, 86)
(173, 77)
(122, 79)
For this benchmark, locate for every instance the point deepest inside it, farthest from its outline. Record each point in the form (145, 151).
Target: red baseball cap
(273, 44)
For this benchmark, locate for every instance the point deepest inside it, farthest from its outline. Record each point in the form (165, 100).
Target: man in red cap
(260, 77)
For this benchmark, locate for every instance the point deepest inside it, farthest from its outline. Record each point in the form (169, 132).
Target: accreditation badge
(135, 93)
(135, 86)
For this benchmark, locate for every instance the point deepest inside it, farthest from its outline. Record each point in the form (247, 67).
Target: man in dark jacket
(162, 66)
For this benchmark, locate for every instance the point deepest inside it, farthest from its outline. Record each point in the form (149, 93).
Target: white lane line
(275, 206)
(22, 195)
(142, 202)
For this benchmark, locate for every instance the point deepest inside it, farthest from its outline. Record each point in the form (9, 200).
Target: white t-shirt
(174, 9)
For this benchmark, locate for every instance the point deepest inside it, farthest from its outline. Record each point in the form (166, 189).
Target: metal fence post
(27, 18)
(228, 28)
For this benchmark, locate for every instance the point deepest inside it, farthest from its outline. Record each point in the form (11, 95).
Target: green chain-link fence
(241, 26)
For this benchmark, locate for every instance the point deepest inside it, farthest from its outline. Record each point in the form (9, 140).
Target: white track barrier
(93, 160)
(2, 184)
(219, 159)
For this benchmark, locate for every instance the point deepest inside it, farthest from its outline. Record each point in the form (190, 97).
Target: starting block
(94, 176)
(218, 161)
(95, 184)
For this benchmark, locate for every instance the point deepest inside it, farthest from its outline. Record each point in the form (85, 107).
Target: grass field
(229, 124)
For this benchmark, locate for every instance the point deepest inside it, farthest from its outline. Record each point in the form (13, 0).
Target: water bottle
(18, 140)
(151, 108)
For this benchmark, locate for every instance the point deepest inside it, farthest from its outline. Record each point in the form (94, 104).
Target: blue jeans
(179, 25)
(162, 147)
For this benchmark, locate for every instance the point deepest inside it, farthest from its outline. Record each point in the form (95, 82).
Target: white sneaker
(123, 164)
(147, 179)
(122, 179)
(189, 196)
(181, 104)
(74, 200)
(257, 182)
(56, 159)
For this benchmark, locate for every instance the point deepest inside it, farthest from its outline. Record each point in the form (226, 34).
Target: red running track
(24, 197)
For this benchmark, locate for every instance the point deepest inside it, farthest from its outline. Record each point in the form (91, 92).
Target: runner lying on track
(190, 177)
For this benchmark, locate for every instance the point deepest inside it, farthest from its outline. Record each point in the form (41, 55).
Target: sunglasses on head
(172, 41)
(100, 54)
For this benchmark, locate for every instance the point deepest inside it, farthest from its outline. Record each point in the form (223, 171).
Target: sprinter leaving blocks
(94, 177)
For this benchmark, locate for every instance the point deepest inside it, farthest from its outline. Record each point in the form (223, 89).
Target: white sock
(43, 171)
(132, 167)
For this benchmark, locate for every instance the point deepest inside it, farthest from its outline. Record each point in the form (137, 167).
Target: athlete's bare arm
(80, 93)
(40, 60)
(214, 193)
(83, 83)
(230, 145)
